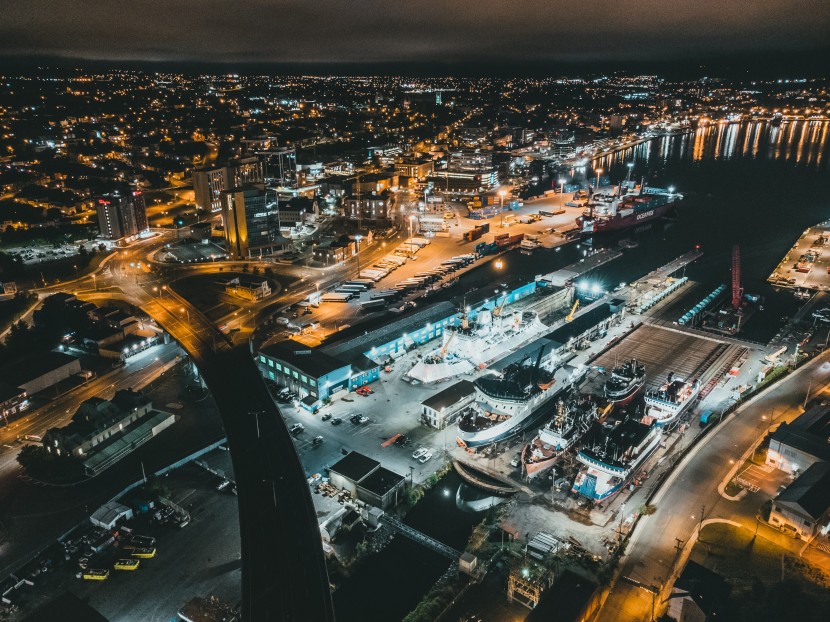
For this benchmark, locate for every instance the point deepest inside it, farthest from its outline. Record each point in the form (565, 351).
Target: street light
(502, 194)
(561, 185)
(357, 239)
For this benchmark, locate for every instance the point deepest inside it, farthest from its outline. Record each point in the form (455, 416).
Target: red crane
(737, 291)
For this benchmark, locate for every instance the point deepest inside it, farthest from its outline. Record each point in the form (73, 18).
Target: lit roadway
(284, 576)
(652, 558)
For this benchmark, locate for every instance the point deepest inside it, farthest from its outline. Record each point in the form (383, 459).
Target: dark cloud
(361, 31)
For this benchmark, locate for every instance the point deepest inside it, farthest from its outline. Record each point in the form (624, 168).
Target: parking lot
(41, 254)
(209, 543)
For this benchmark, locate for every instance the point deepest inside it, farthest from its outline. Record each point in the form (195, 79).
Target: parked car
(297, 428)
(418, 453)
(326, 417)
(515, 462)
(336, 421)
(425, 458)
(317, 440)
(364, 391)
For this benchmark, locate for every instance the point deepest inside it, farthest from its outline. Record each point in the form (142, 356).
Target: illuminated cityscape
(410, 329)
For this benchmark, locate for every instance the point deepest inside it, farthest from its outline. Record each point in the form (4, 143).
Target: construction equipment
(447, 344)
(570, 315)
(497, 310)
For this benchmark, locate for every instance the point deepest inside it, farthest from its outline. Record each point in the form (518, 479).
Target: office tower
(122, 216)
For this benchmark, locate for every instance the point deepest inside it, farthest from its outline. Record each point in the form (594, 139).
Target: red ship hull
(589, 225)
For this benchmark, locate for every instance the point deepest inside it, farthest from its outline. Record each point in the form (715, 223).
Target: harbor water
(391, 583)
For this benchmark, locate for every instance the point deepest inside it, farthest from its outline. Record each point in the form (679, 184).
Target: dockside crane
(570, 316)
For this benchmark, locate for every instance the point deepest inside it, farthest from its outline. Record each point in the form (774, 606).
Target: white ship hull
(519, 415)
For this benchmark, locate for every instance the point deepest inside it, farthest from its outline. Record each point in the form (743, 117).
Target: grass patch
(768, 582)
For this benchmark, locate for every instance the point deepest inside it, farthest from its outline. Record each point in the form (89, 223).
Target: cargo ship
(570, 422)
(665, 404)
(506, 404)
(625, 381)
(612, 457)
(627, 211)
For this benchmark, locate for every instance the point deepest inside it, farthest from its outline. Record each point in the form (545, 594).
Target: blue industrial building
(318, 374)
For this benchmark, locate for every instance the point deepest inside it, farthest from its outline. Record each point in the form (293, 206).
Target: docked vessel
(570, 422)
(474, 343)
(612, 458)
(665, 404)
(627, 211)
(506, 404)
(625, 381)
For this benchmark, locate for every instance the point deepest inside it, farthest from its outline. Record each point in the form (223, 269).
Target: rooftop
(312, 361)
(355, 466)
(451, 395)
(584, 322)
(354, 344)
(34, 366)
(803, 440)
(707, 588)
(381, 481)
(811, 491)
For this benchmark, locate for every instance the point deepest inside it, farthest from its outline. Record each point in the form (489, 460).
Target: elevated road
(284, 576)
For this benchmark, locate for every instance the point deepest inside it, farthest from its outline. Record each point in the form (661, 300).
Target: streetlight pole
(630, 166)
(357, 239)
(501, 204)
(599, 172)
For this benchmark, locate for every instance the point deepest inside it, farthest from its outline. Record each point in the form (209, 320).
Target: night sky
(368, 31)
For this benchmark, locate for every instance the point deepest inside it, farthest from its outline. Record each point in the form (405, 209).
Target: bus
(96, 574)
(126, 564)
(367, 283)
(336, 297)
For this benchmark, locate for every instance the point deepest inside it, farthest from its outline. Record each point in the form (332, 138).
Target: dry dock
(662, 351)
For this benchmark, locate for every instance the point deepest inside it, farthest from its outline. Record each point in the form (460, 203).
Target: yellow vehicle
(145, 553)
(96, 574)
(126, 564)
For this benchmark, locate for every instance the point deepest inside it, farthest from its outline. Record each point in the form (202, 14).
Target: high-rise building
(210, 182)
(251, 217)
(122, 216)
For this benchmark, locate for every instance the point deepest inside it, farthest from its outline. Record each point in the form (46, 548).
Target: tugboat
(625, 381)
(570, 422)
